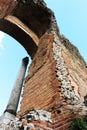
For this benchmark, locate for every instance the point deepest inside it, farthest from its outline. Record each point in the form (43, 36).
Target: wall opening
(11, 54)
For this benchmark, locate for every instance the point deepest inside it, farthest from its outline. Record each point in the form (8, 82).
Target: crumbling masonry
(55, 88)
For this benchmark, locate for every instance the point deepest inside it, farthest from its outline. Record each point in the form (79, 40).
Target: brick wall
(42, 86)
(49, 84)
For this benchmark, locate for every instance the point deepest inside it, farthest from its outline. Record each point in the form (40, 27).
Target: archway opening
(11, 54)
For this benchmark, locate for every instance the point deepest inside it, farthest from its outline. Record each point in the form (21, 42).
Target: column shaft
(16, 91)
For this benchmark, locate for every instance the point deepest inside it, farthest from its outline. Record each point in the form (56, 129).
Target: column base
(10, 111)
(6, 118)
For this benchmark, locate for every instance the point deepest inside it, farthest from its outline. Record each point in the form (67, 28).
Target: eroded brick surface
(56, 80)
(54, 83)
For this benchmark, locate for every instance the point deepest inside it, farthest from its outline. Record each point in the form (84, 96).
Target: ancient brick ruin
(55, 89)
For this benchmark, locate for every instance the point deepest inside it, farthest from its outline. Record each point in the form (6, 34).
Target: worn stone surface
(78, 76)
(56, 80)
(63, 73)
(35, 119)
(52, 85)
(39, 19)
(6, 7)
(72, 79)
(43, 76)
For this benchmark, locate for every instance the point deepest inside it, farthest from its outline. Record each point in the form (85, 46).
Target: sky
(71, 16)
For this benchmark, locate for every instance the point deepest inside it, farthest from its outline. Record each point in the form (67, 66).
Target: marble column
(16, 91)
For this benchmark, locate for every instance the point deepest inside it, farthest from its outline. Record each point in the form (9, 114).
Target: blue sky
(71, 17)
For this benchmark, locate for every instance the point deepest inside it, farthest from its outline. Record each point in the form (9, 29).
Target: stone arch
(35, 16)
(17, 33)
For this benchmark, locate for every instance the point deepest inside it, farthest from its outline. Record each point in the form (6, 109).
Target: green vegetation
(79, 124)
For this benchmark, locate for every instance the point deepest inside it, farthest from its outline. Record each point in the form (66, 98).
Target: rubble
(34, 120)
(63, 74)
(67, 91)
(39, 115)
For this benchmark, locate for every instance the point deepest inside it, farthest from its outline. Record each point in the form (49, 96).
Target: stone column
(15, 94)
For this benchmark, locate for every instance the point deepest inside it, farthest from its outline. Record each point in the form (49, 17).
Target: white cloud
(1, 40)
